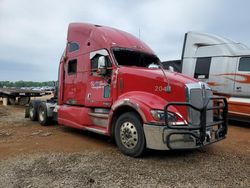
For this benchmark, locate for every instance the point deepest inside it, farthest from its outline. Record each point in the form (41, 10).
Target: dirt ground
(54, 156)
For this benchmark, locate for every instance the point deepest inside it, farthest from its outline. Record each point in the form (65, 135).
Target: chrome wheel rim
(129, 135)
(31, 111)
(41, 114)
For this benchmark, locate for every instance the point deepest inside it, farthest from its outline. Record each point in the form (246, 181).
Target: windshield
(129, 57)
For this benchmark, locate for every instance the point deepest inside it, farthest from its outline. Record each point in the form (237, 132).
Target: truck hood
(157, 75)
(174, 77)
(154, 82)
(149, 87)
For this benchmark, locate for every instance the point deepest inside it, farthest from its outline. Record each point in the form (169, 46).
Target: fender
(142, 102)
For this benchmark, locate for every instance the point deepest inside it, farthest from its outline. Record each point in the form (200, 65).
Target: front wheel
(129, 135)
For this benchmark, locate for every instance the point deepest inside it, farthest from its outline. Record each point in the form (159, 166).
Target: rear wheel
(12, 100)
(129, 135)
(23, 100)
(33, 105)
(42, 114)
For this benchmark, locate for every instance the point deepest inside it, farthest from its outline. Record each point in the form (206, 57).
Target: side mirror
(101, 68)
(171, 69)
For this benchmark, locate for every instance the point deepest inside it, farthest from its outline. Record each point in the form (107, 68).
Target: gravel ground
(54, 156)
(109, 168)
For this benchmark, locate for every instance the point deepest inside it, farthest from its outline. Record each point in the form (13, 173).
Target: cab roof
(209, 45)
(93, 37)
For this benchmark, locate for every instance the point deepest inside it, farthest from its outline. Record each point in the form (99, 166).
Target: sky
(33, 32)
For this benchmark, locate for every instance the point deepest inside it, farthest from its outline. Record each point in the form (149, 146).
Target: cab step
(97, 129)
(100, 117)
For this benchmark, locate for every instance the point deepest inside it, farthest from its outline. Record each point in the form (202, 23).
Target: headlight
(159, 115)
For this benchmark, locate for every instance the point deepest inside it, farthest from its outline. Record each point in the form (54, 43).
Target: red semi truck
(113, 84)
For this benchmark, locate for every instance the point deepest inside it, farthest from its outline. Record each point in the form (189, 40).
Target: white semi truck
(223, 64)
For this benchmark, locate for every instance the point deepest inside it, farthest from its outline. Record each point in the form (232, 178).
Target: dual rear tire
(42, 114)
(32, 110)
(38, 111)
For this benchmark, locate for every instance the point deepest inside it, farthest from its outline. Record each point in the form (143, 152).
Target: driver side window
(96, 58)
(99, 59)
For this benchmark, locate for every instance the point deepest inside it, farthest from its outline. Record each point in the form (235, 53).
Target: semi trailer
(223, 64)
(112, 83)
(19, 96)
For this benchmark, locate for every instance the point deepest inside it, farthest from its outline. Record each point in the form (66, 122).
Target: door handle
(238, 89)
(89, 96)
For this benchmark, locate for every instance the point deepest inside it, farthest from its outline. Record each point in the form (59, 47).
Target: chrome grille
(197, 97)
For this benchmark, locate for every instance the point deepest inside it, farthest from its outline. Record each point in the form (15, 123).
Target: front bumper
(188, 136)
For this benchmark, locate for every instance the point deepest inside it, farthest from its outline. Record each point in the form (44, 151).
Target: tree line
(26, 84)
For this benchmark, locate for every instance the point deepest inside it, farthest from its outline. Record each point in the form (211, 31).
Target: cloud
(34, 32)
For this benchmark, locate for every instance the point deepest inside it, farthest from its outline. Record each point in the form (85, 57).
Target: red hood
(154, 82)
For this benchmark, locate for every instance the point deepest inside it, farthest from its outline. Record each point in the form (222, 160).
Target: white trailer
(223, 64)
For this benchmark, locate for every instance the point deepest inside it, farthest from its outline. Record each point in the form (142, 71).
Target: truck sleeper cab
(113, 84)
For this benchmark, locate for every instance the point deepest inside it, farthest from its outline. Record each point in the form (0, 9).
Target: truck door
(242, 77)
(98, 93)
(221, 76)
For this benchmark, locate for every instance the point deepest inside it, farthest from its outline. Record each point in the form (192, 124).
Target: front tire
(129, 135)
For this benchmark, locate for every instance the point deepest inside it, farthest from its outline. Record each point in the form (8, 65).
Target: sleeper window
(72, 66)
(73, 46)
(244, 64)
(202, 68)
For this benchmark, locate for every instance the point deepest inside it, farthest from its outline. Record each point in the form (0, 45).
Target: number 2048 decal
(160, 88)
